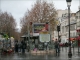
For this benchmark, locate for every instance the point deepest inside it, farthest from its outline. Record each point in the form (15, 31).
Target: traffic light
(58, 28)
(46, 26)
(68, 0)
(30, 23)
(59, 38)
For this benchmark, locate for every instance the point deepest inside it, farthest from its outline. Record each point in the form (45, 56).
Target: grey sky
(18, 7)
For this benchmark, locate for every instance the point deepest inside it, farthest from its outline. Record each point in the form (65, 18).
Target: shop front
(78, 39)
(35, 43)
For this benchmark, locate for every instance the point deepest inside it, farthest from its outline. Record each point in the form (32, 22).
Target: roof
(24, 36)
(27, 36)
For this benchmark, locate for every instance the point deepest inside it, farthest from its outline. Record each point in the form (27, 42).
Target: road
(27, 56)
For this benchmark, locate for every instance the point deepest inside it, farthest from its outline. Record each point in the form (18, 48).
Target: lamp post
(58, 29)
(28, 38)
(68, 5)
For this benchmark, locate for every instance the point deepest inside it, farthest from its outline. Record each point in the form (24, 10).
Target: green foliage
(6, 36)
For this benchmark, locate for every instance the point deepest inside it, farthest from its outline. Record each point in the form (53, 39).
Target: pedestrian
(45, 44)
(56, 43)
(23, 46)
(73, 44)
(28, 48)
(16, 46)
(19, 46)
(66, 45)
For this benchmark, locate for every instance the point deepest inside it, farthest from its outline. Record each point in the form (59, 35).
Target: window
(74, 34)
(61, 20)
(79, 17)
(78, 24)
(62, 29)
(67, 29)
(71, 35)
(76, 17)
(72, 27)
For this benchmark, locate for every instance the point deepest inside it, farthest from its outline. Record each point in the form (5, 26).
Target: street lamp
(68, 5)
(58, 29)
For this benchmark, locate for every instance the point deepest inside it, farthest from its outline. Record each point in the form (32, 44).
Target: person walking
(28, 48)
(57, 46)
(66, 45)
(19, 46)
(23, 46)
(16, 46)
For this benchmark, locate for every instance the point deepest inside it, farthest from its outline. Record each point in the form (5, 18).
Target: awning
(78, 30)
(78, 38)
(72, 39)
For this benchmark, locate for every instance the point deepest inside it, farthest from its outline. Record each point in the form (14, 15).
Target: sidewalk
(64, 49)
(63, 53)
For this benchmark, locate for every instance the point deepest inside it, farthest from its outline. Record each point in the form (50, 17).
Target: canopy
(72, 39)
(78, 38)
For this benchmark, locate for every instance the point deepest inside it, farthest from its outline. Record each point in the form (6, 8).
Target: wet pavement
(27, 56)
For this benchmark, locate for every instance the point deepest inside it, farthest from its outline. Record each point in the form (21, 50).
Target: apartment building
(62, 24)
(72, 26)
(78, 26)
(78, 22)
(63, 19)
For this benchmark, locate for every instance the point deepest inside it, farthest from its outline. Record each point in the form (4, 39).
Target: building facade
(72, 26)
(78, 26)
(64, 26)
(78, 21)
(61, 18)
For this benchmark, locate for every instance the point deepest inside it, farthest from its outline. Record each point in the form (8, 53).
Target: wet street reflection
(20, 56)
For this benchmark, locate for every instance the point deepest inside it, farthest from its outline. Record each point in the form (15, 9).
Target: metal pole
(58, 36)
(58, 29)
(78, 46)
(69, 53)
(28, 37)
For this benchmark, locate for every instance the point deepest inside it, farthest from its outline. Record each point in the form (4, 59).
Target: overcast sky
(18, 7)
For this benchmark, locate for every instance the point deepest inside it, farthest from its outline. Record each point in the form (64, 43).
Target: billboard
(37, 27)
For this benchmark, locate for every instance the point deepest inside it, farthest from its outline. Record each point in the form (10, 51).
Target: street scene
(40, 30)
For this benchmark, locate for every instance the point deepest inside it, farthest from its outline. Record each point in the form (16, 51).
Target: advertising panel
(37, 27)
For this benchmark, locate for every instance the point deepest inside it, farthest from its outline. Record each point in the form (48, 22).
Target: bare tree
(7, 23)
(41, 12)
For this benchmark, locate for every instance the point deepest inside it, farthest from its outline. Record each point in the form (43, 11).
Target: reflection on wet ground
(27, 56)
(20, 56)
